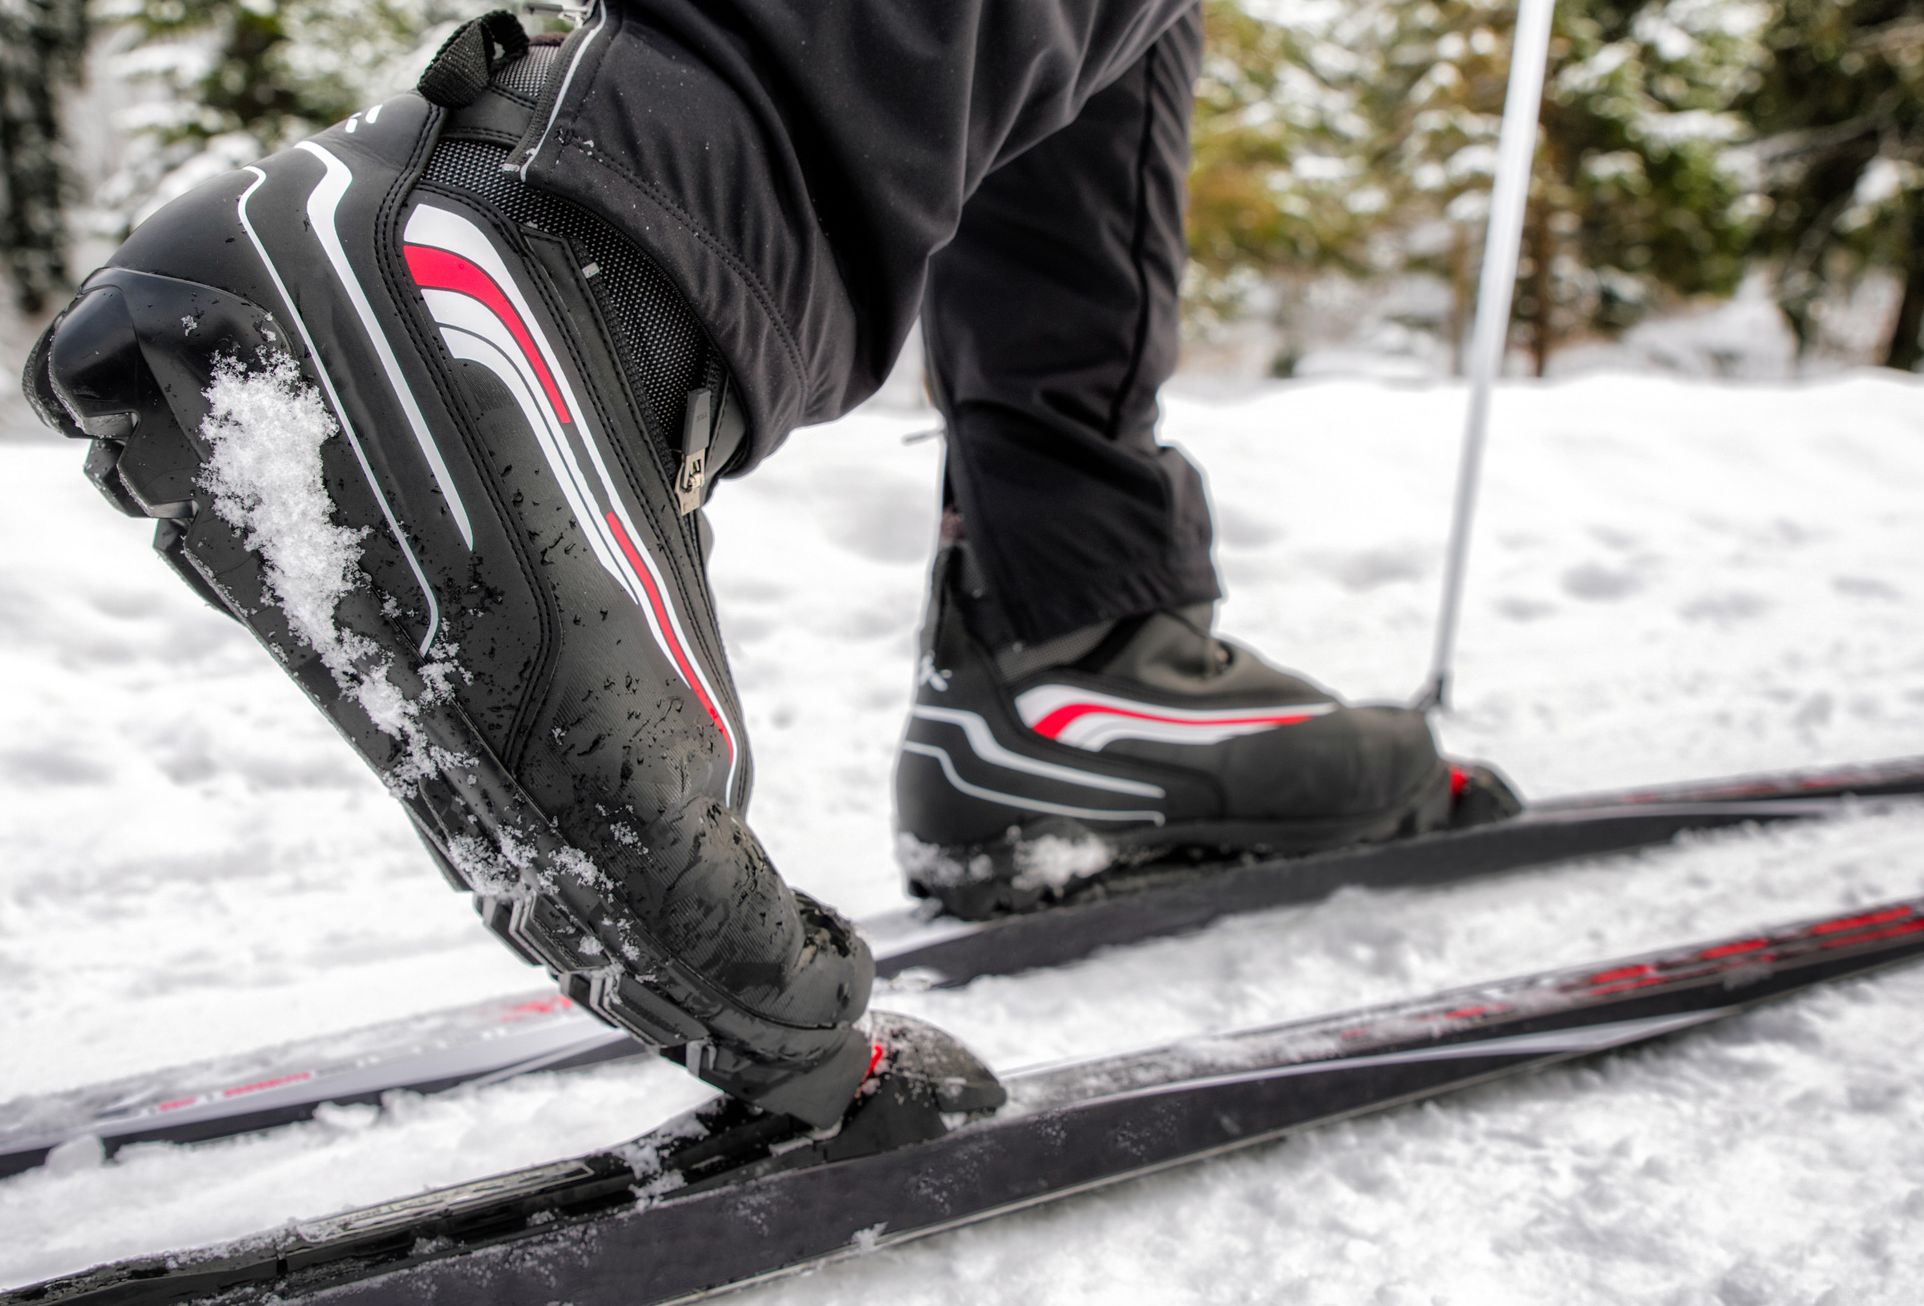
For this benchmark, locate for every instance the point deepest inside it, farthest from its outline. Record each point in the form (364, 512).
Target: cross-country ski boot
(440, 441)
(1027, 775)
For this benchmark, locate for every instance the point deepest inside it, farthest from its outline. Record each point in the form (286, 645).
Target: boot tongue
(1180, 638)
(1169, 650)
(1174, 653)
(1012, 664)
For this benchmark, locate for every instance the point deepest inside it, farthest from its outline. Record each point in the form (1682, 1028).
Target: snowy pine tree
(1434, 88)
(1842, 112)
(41, 44)
(1636, 192)
(1277, 188)
(1361, 138)
(230, 80)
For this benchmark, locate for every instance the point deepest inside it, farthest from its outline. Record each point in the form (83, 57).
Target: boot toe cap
(1352, 762)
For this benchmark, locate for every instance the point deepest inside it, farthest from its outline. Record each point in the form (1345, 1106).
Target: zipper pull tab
(568, 11)
(697, 428)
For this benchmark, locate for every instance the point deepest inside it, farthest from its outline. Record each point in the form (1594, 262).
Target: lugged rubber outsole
(128, 367)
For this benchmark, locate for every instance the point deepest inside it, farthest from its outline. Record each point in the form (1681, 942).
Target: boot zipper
(697, 430)
(569, 11)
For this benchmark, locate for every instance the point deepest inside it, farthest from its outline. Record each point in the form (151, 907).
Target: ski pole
(1522, 108)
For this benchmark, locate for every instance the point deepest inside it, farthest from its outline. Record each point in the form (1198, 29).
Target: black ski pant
(815, 172)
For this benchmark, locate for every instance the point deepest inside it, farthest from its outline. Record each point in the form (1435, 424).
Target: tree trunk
(1462, 296)
(41, 43)
(1907, 337)
(1542, 287)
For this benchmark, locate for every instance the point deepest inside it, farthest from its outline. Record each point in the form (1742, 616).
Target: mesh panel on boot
(525, 78)
(662, 347)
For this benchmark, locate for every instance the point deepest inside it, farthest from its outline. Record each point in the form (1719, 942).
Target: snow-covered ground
(1670, 580)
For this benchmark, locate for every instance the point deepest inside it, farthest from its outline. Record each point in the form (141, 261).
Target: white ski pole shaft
(1523, 107)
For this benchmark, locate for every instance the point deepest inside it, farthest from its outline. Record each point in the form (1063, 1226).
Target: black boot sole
(1013, 875)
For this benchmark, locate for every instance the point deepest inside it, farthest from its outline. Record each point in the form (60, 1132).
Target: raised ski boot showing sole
(422, 430)
(1159, 743)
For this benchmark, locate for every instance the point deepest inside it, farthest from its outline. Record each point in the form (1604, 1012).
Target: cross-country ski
(727, 1195)
(535, 1032)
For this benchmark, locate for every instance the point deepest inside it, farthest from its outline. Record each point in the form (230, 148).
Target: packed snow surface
(1670, 581)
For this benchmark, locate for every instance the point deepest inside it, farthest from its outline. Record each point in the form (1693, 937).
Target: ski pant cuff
(654, 135)
(1074, 602)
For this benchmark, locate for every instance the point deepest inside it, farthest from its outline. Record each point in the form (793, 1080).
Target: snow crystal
(916, 979)
(265, 428)
(486, 869)
(579, 867)
(1056, 862)
(507, 865)
(76, 1154)
(933, 864)
(1052, 861)
(642, 1156)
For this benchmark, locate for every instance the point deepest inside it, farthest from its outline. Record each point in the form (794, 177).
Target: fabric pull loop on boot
(458, 74)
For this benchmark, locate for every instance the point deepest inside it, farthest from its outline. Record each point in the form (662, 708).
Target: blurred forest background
(1712, 173)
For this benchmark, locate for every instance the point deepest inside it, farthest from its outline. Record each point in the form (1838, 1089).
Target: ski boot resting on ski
(439, 440)
(1027, 772)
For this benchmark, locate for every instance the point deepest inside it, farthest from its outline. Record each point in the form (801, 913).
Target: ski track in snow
(1669, 581)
